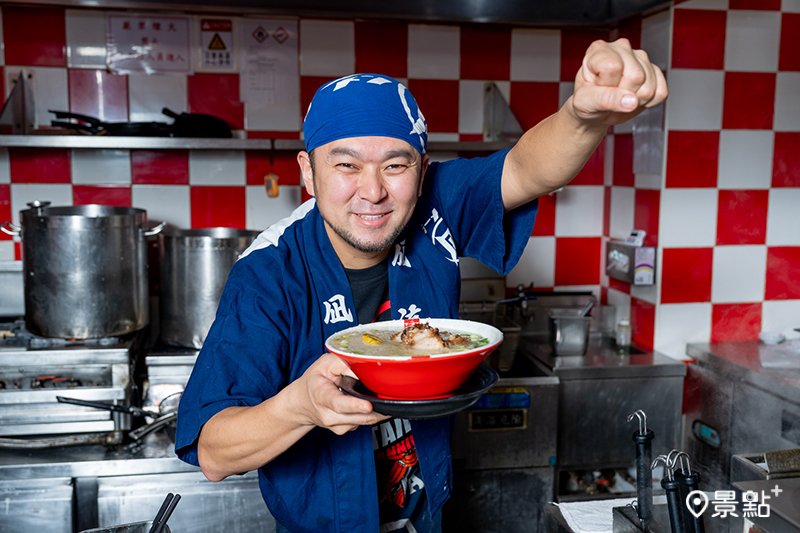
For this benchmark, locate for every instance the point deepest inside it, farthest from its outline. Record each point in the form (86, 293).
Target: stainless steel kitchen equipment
(34, 370)
(194, 266)
(736, 406)
(569, 331)
(85, 269)
(12, 289)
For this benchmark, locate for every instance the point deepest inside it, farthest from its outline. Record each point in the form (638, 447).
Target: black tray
(483, 379)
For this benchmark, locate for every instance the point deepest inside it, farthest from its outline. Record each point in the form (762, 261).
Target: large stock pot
(84, 268)
(194, 266)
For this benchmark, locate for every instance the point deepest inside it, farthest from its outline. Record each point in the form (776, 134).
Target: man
(381, 240)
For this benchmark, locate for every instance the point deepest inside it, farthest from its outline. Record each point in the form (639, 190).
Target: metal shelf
(170, 143)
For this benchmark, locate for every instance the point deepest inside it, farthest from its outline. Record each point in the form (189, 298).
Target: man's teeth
(370, 217)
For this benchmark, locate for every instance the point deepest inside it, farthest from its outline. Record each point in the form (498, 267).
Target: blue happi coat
(290, 292)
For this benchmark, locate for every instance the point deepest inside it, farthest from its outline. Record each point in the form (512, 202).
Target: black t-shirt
(401, 493)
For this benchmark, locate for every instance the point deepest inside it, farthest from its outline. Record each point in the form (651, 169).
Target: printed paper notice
(146, 43)
(270, 74)
(216, 45)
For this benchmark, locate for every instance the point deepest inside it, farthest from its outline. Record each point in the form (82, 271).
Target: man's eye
(345, 165)
(396, 167)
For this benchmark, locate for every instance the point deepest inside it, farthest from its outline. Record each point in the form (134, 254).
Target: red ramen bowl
(424, 376)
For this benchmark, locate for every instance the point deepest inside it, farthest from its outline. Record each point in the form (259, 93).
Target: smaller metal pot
(194, 266)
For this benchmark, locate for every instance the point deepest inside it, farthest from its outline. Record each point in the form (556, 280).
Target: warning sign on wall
(216, 45)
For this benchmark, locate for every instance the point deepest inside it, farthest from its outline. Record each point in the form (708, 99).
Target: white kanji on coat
(336, 310)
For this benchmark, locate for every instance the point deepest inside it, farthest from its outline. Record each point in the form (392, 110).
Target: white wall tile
(783, 218)
(284, 116)
(738, 274)
(565, 90)
(535, 55)
(790, 6)
(703, 4)
(695, 99)
(688, 218)
(57, 194)
(780, 316)
(679, 324)
(622, 302)
(149, 94)
(217, 167)
(608, 161)
(5, 166)
(6, 250)
(263, 211)
(101, 166)
(648, 181)
(625, 127)
(164, 203)
(656, 31)
(745, 159)
(622, 205)
(787, 101)
(327, 48)
(470, 106)
(434, 52)
(441, 157)
(86, 38)
(442, 137)
(751, 41)
(579, 211)
(48, 86)
(537, 264)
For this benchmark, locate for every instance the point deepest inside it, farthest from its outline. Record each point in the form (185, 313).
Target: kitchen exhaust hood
(514, 12)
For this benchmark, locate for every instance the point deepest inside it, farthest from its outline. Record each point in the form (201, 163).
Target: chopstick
(164, 512)
(167, 513)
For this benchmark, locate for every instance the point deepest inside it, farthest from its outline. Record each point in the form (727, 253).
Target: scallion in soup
(416, 340)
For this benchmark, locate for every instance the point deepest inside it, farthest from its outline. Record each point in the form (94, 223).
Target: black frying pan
(96, 126)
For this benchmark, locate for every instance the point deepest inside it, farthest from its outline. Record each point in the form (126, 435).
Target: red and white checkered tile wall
(730, 162)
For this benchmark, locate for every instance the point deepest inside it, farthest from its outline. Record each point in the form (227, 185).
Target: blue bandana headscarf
(364, 105)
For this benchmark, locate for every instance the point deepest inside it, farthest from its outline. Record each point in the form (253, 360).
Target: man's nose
(370, 187)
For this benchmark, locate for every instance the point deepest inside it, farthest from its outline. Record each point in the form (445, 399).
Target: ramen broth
(379, 343)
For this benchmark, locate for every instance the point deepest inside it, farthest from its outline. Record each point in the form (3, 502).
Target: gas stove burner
(57, 382)
(16, 334)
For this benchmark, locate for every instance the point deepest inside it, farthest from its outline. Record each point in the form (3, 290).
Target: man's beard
(366, 247)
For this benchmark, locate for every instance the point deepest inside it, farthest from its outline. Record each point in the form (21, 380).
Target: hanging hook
(642, 420)
(679, 457)
(667, 469)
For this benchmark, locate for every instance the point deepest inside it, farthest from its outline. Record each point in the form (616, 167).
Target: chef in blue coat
(381, 239)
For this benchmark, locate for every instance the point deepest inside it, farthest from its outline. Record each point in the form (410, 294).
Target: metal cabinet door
(36, 505)
(234, 505)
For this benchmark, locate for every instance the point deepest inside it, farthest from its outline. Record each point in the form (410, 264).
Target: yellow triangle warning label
(216, 43)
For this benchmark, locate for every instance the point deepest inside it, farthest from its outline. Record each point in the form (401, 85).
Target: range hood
(513, 12)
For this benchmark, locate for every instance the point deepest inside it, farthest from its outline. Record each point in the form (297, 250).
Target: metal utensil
(587, 307)
(672, 488)
(171, 501)
(130, 410)
(689, 481)
(644, 478)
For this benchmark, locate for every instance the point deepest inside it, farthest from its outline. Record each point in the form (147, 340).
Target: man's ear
(304, 160)
(425, 161)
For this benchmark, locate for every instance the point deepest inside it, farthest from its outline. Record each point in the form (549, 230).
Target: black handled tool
(135, 411)
(672, 488)
(644, 478)
(688, 481)
(164, 512)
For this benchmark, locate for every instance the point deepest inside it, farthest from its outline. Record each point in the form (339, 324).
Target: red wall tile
(742, 217)
(789, 55)
(631, 29)
(735, 322)
(698, 39)
(470, 137)
(485, 52)
(578, 260)
(308, 88)
(686, 275)
(5, 209)
(546, 216)
(645, 214)
(783, 273)
(382, 47)
(438, 100)
(749, 101)
(603, 296)
(763, 5)
(606, 211)
(39, 165)
(101, 194)
(284, 165)
(44, 47)
(164, 167)
(692, 158)
(574, 43)
(623, 160)
(217, 95)
(622, 286)
(532, 101)
(218, 207)
(643, 322)
(99, 94)
(786, 159)
(593, 172)
(264, 134)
